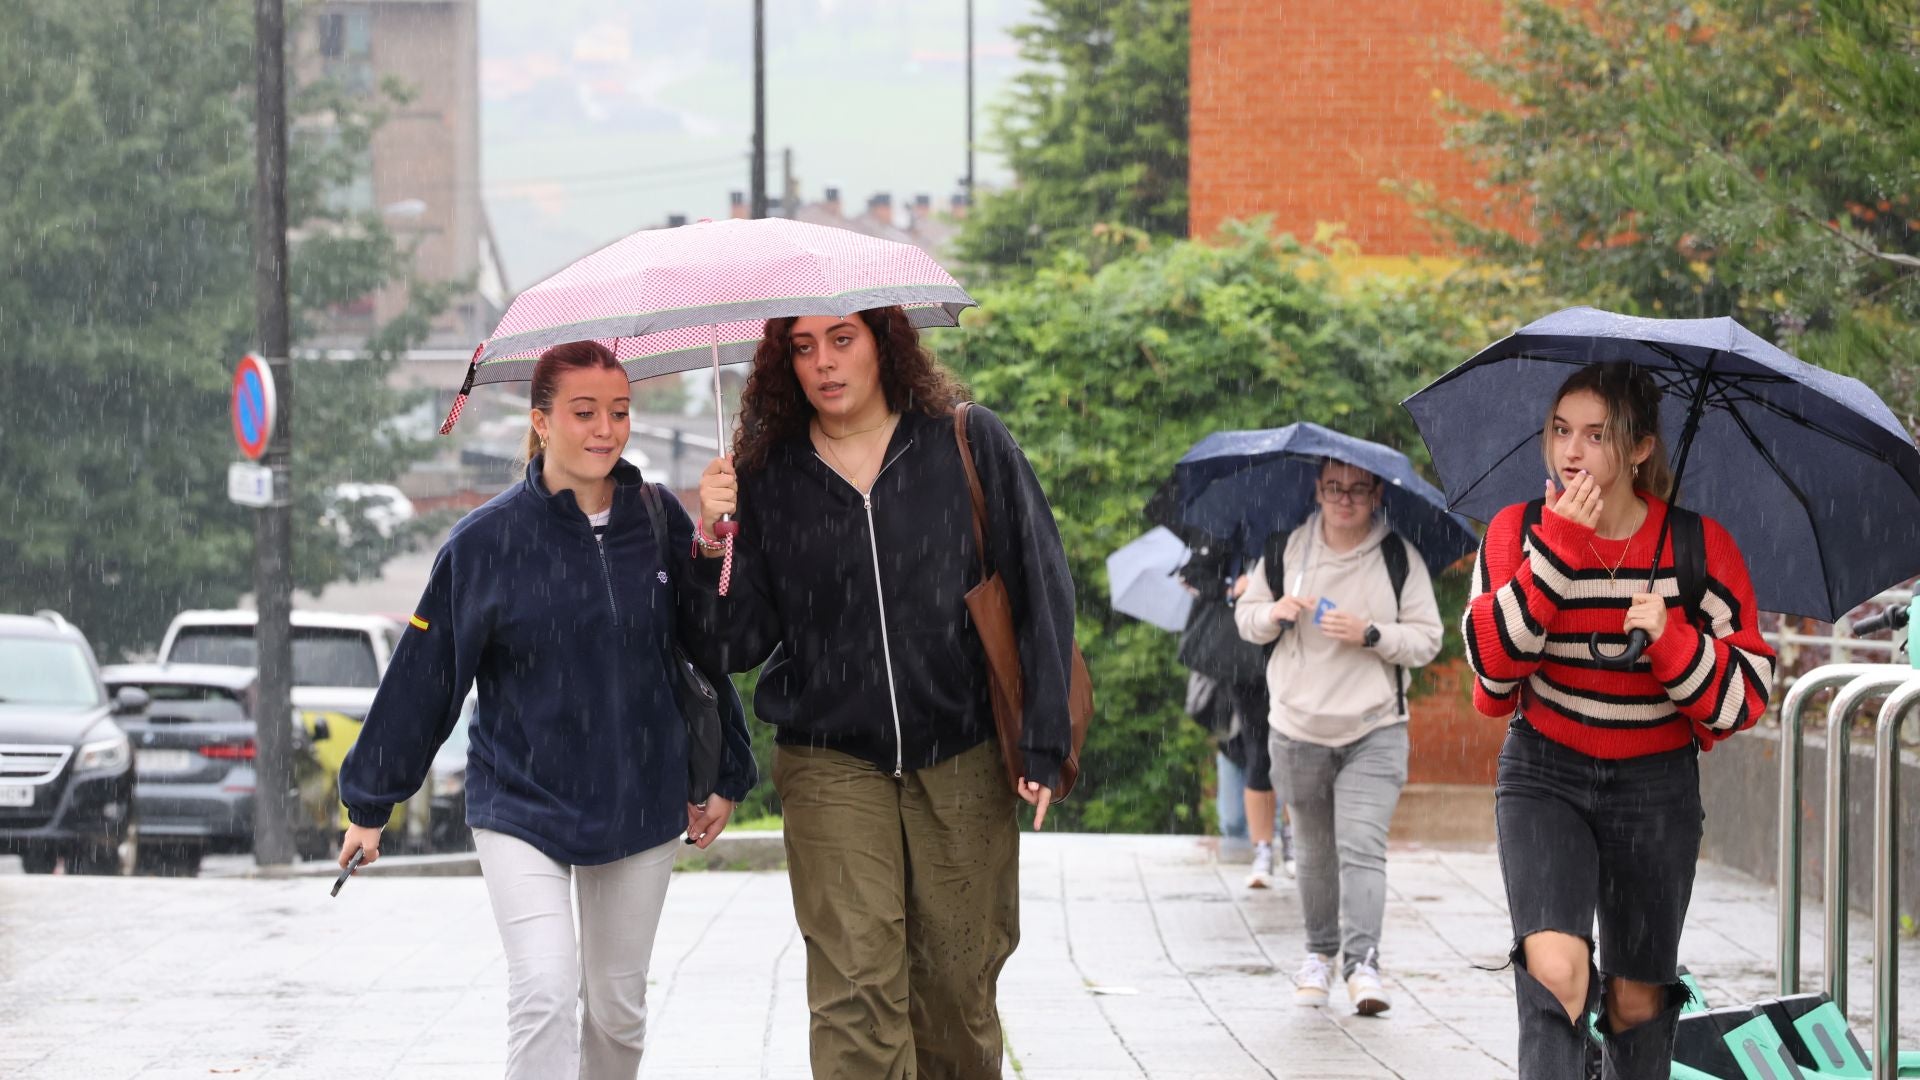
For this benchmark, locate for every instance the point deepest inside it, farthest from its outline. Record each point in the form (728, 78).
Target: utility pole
(759, 179)
(273, 540)
(790, 184)
(967, 183)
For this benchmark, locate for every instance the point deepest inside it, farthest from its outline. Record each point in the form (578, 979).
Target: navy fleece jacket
(577, 747)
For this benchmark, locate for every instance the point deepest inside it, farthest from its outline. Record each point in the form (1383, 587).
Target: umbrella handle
(725, 527)
(1637, 643)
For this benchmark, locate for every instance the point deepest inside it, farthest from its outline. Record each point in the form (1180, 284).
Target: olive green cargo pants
(907, 893)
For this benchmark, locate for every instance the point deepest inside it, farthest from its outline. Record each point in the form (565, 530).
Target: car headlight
(106, 755)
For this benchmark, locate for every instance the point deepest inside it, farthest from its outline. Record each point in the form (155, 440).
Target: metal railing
(1901, 704)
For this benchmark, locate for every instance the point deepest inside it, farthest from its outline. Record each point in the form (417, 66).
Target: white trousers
(576, 1003)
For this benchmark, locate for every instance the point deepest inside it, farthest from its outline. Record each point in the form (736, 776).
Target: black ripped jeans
(1586, 841)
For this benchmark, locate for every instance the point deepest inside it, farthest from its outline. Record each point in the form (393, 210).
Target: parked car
(383, 507)
(66, 769)
(447, 787)
(337, 663)
(194, 746)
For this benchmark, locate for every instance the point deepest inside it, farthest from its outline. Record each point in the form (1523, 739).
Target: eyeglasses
(1334, 492)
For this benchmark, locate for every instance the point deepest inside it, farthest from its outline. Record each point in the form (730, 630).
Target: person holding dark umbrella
(1598, 797)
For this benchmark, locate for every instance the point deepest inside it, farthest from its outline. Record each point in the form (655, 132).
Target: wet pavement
(1141, 957)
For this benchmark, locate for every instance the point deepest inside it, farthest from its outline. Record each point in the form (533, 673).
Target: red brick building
(1301, 109)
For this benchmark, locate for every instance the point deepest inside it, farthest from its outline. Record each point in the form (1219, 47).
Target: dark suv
(66, 769)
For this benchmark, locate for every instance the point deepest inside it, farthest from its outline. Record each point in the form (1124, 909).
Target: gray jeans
(1341, 799)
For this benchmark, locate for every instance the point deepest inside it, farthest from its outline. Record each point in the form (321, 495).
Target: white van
(337, 659)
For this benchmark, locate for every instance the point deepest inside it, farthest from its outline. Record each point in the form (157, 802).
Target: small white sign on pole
(249, 484)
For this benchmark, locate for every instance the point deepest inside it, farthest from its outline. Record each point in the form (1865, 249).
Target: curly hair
(773, 407)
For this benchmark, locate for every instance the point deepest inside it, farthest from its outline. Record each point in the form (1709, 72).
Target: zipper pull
(866, 500)
(896, 772)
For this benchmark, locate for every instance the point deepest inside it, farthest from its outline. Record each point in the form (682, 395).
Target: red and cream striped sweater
(1535, 603)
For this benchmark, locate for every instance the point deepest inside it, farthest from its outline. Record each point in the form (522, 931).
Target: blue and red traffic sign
(253, 406)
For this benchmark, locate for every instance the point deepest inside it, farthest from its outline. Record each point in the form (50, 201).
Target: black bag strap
(1394, 550)
(1689, 538)
(1687, 533)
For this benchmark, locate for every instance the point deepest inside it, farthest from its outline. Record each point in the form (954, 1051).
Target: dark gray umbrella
(1810, 471)
(1248, 484)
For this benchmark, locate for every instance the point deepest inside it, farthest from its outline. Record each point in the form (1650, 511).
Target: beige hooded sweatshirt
(1325, 691)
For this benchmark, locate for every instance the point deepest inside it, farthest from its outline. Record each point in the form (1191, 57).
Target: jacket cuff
(1043, 769)
(370, 817)
(705, 572)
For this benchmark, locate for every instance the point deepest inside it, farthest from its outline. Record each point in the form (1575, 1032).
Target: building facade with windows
(422, 176)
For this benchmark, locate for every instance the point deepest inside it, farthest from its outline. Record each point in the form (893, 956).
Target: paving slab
(1142, 958)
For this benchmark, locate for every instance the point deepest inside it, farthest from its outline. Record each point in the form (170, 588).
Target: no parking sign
(253, 406)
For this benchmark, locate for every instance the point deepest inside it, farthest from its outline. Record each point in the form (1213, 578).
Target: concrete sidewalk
(1140, 958)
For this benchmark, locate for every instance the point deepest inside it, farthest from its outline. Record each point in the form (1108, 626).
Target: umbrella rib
(1793, 489)
(1491, 469)
(1735, 395)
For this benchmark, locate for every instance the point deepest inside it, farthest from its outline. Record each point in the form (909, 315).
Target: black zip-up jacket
(578, 746)
(857, 606)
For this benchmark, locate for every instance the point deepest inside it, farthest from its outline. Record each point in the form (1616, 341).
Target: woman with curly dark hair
(852, 562)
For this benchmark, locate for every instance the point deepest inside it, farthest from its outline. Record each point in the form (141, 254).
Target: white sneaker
(1363, 987)
(1261, 875)
(1314, 981)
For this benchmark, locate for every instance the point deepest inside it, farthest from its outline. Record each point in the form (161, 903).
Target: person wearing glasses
(1344, 642)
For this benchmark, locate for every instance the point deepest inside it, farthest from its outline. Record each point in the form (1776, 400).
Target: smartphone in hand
(353, 864)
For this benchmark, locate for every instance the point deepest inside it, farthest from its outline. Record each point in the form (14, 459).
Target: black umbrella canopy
(1814, 476)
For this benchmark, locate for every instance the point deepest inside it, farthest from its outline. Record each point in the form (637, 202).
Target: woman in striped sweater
(1598, 797)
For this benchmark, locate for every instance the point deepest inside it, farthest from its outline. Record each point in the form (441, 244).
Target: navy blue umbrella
(1810, 471)
(1249, 484)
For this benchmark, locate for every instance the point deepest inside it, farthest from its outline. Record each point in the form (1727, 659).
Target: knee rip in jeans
(1553, 982)
(1669, 998)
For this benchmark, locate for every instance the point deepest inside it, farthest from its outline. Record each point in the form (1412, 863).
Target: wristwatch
(1372, 636)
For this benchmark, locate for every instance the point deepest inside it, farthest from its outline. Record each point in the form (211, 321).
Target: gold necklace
(1603, 560)
(850, 434)
(840, 462)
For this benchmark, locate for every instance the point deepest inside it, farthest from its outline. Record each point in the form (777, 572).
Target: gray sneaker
(1261, 874)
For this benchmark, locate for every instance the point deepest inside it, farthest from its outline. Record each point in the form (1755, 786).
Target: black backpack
(1687, 534)
(1394, 551)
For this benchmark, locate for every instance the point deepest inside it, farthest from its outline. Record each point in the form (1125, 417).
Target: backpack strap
(1394, 551)
(1273, 557)
(1688, 535)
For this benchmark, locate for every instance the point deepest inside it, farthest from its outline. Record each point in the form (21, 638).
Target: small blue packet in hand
(1320, 610)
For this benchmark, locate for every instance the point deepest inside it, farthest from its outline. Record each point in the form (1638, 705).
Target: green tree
(1095, 130)
(1108, 375)
(126, 159)
(1754, 158)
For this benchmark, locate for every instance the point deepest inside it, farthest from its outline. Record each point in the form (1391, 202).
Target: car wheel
(39, 860)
